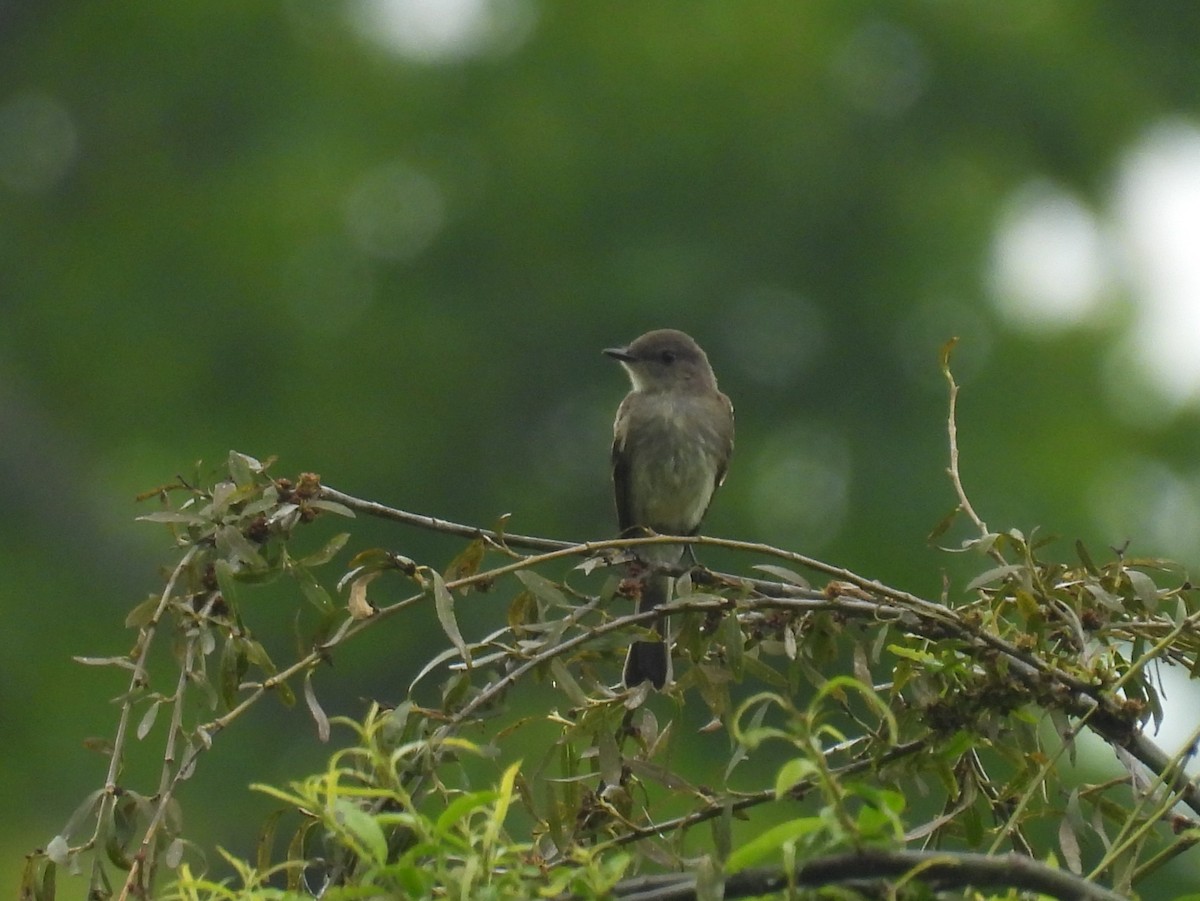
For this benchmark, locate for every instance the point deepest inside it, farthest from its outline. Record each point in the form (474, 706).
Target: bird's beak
(619, 353)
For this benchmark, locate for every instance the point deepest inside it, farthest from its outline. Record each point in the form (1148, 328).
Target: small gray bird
(672, 440)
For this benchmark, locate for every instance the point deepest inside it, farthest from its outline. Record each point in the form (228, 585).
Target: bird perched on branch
(672, 440)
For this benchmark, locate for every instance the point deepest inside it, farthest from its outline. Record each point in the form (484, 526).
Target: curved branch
(1078, 697)
(938, 869)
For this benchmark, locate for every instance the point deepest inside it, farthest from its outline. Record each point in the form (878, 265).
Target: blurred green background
(386, 240)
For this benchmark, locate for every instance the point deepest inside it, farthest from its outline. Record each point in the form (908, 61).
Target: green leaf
(1086, 559)
(503, 800)
(792, 774)
(258, 655)
(771, 842)
(567, 683)
(543, 589)
(314, 707)
(231, 543)
(913, 654)
(754, 667)
(522, 610)
(332, 507)
(443, 602)
(460, 809)
(226, 583)
(994, 574)
(328, 552)
(147, 721)
(1144, 588)
(312, 590)
(942, 526)
(734, 641)
(173, 517)
(143, 614)
(364, 829)
(234, 664)
(243, 468)
(467, 562)
(783, 574)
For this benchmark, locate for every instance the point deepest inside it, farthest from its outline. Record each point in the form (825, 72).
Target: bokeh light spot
(773, 334)
(436, 31)
(1143, 499)
(881, 69)
(38, 142)
(1048, 260)
(394, 212)
(801, 485)
(1157, 210)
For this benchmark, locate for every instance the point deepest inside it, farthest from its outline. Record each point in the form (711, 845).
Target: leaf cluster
(851, 734)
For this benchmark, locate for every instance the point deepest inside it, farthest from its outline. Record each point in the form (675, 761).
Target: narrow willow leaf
(226, 583)
(1144, 588)
(757, 669)
(314, 592)
(460, 809)
(143, 614)
(994, 574)
(1069, 843)
(792, 773)
(332, 507)
(543, 589)
(1086, 559)
(172, 516)
(609, 757)
(521, 611)
(443, 602)
(734, 641)
(783, 574)
(771, 842)
(942, 526)
(314, 707)
(234, 664)
(467, 562)
(147, 721)
(567, 683)
(328, 552)
(243, 467)
(122, 662)
(364, 828)
(258, 655)
(232, 543)
(500, 811)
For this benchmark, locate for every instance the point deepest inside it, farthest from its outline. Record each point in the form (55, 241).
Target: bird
(672, 442)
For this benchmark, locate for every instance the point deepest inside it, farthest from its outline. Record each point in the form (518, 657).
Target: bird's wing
(622, 480)
(728, 446)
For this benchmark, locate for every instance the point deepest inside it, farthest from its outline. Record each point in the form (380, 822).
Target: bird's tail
(649, 661)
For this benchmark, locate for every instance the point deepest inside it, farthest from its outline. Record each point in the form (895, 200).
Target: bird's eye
(667, 356)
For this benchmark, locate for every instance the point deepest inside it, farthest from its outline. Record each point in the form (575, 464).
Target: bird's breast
(674, 458)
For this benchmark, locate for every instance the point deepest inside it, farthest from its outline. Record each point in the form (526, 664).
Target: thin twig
(964, 502)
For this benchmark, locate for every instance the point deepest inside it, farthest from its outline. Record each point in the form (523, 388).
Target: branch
(964, 503)
(1083, 699)
(940, 869)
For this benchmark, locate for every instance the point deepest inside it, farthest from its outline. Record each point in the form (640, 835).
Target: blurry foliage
(855, 733)
(190, 261)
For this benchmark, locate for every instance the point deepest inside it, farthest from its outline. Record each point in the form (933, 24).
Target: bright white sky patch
(1048, 260)
(1157, 212)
